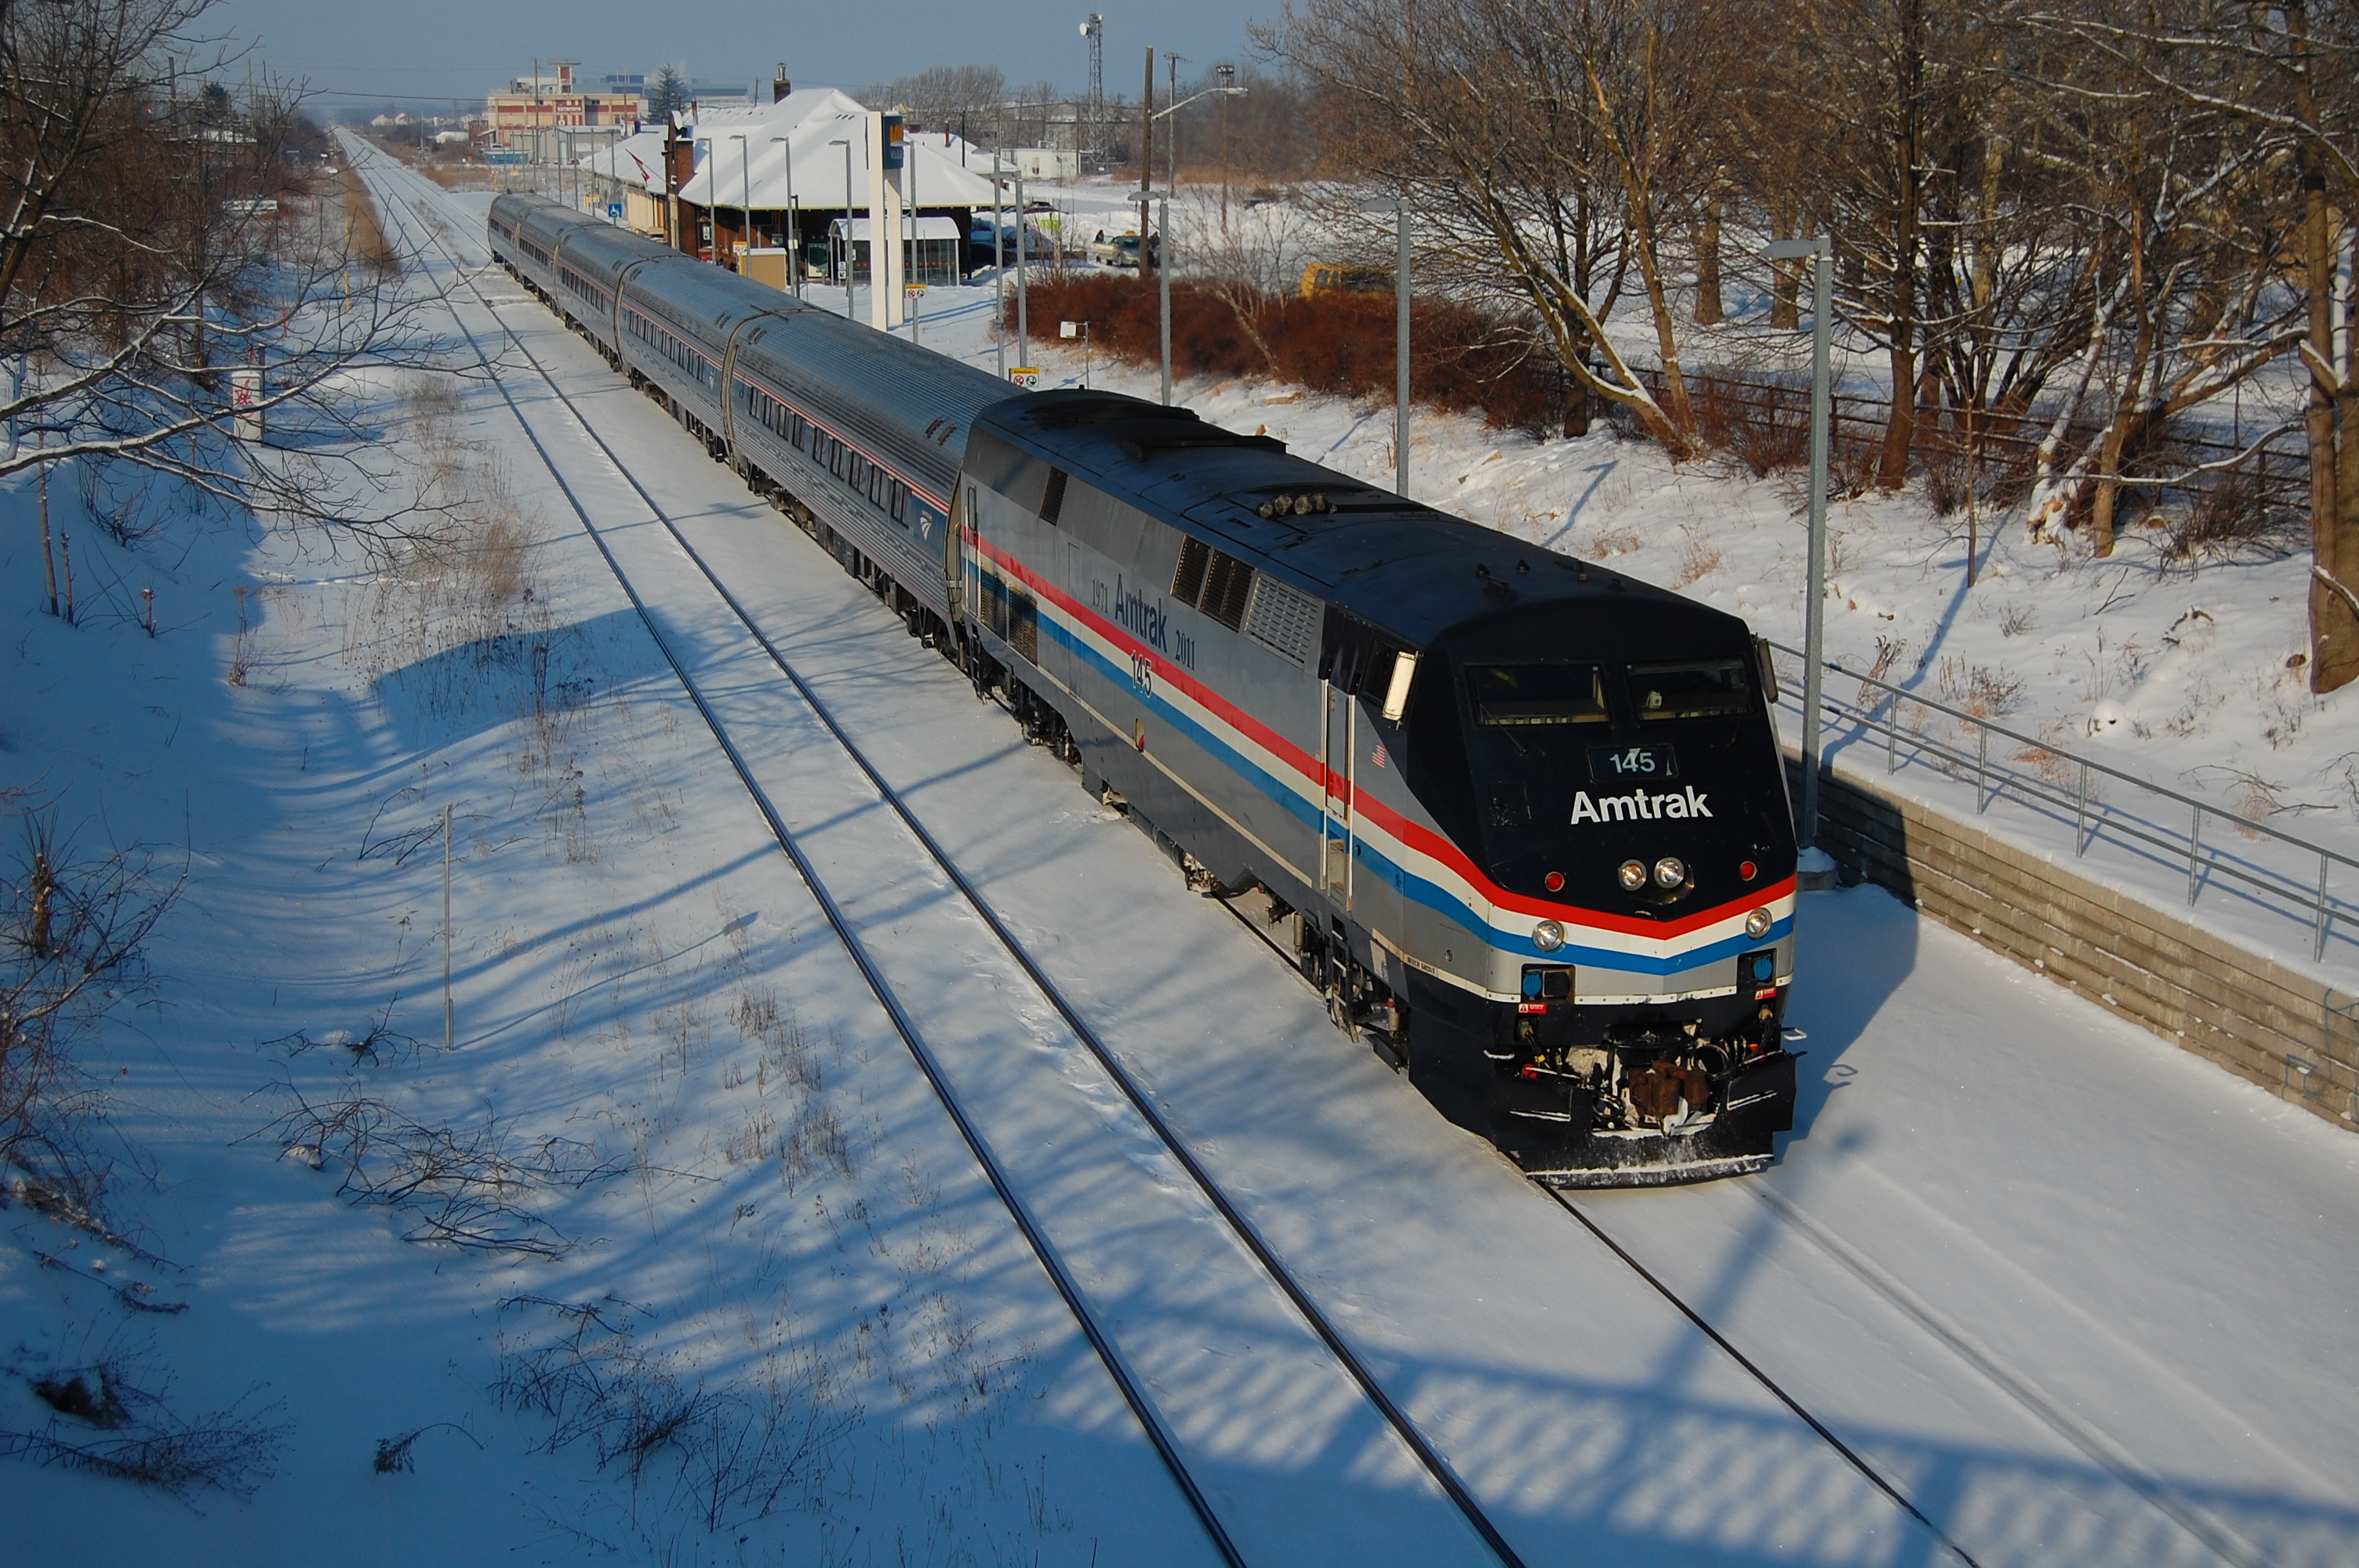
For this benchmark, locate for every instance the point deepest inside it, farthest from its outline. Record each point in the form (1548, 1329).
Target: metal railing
(1878, 709)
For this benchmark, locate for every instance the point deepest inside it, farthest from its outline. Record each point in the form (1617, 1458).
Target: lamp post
(1023, 300)
(712, 180)
(1399, 207)
(744, 192)
(847, 224)
(1172, 141)
(792, 242)
(1817, 869)
(998, 268)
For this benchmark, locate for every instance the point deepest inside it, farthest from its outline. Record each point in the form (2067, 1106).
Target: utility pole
(1162, 277)
(1146, 155)
(1228, 80)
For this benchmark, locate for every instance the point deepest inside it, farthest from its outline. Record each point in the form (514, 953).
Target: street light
(1399, 207)
(712, 180)
(793, 244)
(1162, 269)
(998, 268)
(1816, 869)
(847, 224)
(745, 193)
(1023, 300)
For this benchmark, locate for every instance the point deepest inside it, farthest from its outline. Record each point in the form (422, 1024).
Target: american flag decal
(1381, 757)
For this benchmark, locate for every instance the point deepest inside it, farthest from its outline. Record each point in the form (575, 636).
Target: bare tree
(2283, 77)
(72, 930)
(944, 97)
(1542, 136)
(151, 236)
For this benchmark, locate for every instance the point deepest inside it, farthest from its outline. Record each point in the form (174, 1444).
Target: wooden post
(49, 561)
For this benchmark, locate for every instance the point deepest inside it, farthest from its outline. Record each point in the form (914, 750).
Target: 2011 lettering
(1639, 807)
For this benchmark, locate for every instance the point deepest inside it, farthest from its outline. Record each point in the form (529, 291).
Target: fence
(1761, 411)
(2068, 790)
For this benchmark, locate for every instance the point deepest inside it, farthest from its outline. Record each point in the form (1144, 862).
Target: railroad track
(1101, 1341)
(1437, 1465)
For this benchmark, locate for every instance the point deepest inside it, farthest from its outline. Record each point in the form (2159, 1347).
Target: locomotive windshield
(1700, 688)
(1562, 754)
(1538, 694)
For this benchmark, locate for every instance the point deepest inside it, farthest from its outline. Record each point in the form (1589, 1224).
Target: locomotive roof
(1408, 568)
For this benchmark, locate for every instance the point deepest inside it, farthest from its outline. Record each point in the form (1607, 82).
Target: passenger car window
(1538, 694)
(1700, 688)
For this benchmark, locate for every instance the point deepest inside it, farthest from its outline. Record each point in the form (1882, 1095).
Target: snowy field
(2082, 1298)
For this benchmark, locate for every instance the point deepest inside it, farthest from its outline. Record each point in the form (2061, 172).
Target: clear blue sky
(446, 49)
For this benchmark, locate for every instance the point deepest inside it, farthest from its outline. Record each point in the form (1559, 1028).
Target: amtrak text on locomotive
(1639, 807)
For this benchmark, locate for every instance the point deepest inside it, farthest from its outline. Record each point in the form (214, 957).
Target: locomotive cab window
(1698, 688)
(1521, 695)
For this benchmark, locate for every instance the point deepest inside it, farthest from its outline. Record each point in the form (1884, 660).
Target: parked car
(1330, 278)
(1112, 249)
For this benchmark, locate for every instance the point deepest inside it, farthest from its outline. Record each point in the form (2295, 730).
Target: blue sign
(614, 210)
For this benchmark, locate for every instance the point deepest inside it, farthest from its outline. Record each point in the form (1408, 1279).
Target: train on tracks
(1521, 818)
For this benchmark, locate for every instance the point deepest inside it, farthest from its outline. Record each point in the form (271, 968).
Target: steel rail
(1874, 1478)
(1317, 1320)
(912, 1038)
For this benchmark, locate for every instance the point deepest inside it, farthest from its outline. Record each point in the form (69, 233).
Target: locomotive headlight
(1757, 925)
(1633, 874)
(1670, 872)
(1548, 935)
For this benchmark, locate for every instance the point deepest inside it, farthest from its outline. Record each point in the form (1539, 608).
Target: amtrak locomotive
(1521, 818)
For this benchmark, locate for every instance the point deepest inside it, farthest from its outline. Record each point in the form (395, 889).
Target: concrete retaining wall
(2290, 1033)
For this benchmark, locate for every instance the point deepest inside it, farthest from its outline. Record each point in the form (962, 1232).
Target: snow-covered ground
(2082, 1297)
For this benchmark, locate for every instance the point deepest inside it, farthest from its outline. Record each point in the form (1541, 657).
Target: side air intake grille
(1213, 582)
(1052, 500)
(1283, 618)
(1188, 582)
(1227, 586)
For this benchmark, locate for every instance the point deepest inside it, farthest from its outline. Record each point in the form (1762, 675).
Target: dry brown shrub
(1461, 361)
(364, 231)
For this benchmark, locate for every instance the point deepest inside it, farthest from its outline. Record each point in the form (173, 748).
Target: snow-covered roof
(810, 120)
(940, 178)
(927, 228)
(634, 160)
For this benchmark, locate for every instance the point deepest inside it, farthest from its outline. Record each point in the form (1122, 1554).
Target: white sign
(1027, 377)
(1069, 328)
(246, 402)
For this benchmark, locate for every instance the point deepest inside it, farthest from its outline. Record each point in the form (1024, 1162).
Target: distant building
(534, 105)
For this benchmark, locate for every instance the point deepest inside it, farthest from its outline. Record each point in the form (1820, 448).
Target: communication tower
(1091, 133)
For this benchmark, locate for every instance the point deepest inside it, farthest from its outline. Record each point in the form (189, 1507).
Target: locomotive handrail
(2092, 818)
